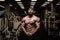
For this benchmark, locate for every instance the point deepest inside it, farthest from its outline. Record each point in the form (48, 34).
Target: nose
(30, 10)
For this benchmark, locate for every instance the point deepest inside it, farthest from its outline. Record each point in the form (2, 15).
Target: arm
(22, 25)
(37, 25)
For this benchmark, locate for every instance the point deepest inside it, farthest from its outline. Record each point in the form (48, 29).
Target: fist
(29, 34)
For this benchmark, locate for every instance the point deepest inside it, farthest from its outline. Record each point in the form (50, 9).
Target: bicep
(22, 22)
(38, 22)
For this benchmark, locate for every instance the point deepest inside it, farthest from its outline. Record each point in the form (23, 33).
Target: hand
(34, 31)
(31, 33)
(28, 34)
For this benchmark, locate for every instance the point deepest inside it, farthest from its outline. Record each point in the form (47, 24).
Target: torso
(30, 23)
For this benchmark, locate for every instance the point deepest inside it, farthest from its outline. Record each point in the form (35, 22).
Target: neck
(30, 16)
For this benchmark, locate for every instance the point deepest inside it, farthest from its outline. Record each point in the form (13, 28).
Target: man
(30, 25)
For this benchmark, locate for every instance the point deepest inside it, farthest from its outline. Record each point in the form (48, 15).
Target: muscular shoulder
(37, 18)
(24, 18)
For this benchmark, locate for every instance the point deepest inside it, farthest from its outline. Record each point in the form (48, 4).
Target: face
(30, 11)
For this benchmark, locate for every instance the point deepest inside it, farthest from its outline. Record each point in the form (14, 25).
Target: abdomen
(30, 28)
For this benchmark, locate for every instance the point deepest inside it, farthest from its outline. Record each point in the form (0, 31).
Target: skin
(32, 23)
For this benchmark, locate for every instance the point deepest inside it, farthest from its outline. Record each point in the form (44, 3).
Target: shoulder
(24, 18)
(37, 18)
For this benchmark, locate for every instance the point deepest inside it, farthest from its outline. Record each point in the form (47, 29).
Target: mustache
(30, 14)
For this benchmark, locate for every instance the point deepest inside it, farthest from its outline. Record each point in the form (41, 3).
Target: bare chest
(30, 20)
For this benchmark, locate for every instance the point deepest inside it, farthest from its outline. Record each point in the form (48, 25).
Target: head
(30, 11)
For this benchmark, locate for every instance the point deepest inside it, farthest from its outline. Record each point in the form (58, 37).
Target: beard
(30, 15)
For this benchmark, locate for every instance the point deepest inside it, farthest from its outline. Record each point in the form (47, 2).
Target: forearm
(38, 26)
(23, 29)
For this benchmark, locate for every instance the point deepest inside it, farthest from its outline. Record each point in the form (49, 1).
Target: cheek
(28, 10)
